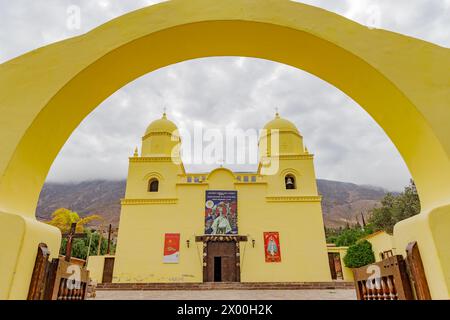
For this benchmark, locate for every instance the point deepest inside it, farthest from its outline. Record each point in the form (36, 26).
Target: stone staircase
(228, 286)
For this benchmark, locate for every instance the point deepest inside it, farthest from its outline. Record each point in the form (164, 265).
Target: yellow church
(221, 226)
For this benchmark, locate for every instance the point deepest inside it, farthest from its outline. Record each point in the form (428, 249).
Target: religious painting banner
(221, 212)
(171, 248)
(272, 246)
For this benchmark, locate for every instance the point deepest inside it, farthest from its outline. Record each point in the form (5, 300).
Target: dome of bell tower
(160, 138)
(161, 125)
(281, 124)
(280, 137)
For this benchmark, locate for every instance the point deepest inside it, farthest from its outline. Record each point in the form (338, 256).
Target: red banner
(171, 248)
(272, 246)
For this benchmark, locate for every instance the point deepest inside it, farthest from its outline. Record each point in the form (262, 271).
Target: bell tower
(153, 173)
(285, 161)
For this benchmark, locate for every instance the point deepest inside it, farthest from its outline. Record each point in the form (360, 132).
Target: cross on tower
(70, 236)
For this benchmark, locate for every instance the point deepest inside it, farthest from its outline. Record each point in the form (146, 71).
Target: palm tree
(63, 218)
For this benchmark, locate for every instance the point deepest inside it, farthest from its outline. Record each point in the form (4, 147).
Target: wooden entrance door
(221, 262)
(334, 261)
(40, 271)
(108, 269)
(332, 266)
(417, 272)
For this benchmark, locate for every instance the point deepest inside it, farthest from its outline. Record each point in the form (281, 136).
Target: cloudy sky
(225, 91)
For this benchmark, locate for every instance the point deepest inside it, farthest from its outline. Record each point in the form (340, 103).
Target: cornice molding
(126, 202)
(294, 198)
(175, 160)
(307, 156)
(269, 133)
(192, 183)
(162, 133)
(249, 183)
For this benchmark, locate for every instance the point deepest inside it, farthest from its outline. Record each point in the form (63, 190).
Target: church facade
(220, 226)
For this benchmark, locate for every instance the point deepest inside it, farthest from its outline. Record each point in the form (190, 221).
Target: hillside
(342, 202)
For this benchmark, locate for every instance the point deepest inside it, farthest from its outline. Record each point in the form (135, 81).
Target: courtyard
(309, 294)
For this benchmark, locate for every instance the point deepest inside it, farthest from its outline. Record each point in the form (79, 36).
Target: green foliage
(395, 208)
(80, 245)
(359, 254)
(348, 235)
(331, 234)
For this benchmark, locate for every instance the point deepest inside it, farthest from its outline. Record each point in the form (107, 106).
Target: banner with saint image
(272, 246)
(171, 248)
(221, 212)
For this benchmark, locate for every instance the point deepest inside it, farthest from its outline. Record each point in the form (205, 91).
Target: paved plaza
(312, 294)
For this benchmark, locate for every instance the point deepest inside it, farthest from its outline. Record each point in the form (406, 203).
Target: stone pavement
(310, 294)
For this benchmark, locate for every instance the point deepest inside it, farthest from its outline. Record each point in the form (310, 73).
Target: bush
(80, 246)
(348, 236)
(360, 254)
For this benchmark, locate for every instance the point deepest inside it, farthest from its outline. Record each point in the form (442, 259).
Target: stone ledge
(292, 198)
(228, 286)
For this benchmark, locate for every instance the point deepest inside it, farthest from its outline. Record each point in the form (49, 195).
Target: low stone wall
(228, 286)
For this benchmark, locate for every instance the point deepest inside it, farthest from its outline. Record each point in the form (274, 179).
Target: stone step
(228, 286)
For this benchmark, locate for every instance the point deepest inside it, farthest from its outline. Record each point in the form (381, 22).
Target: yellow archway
(403, 83)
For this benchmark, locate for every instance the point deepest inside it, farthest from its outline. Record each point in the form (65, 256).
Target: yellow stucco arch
(403, 83)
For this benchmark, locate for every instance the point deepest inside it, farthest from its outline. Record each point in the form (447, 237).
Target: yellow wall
(381, 241)
(400, 81)
(19, 240)
(263, 205)
(95, 266)
(431, 231)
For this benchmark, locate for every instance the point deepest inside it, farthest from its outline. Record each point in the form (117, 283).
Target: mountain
(342, 202)
(100, 197)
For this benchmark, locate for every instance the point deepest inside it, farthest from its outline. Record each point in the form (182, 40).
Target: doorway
(108, 269)
(222, 262)
(334, 260)
(217, 269)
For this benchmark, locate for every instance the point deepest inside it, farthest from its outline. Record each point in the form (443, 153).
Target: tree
(80, 246)
(63, 218)
(331, 234)
(408, 203)
(382, 218)
(348, 235)
(395, 208)
(359, 254)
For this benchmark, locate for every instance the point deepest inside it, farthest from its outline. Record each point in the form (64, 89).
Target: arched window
(289, 182)
(153, 185)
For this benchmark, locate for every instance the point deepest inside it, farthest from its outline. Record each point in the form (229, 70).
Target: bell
(289, 183)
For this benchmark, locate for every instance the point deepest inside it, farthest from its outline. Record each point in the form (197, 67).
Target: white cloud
(218, 92)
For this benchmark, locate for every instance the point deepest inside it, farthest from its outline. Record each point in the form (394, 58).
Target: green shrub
(350, 236)
(359, 254)
(80, 246)
(347, 236)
